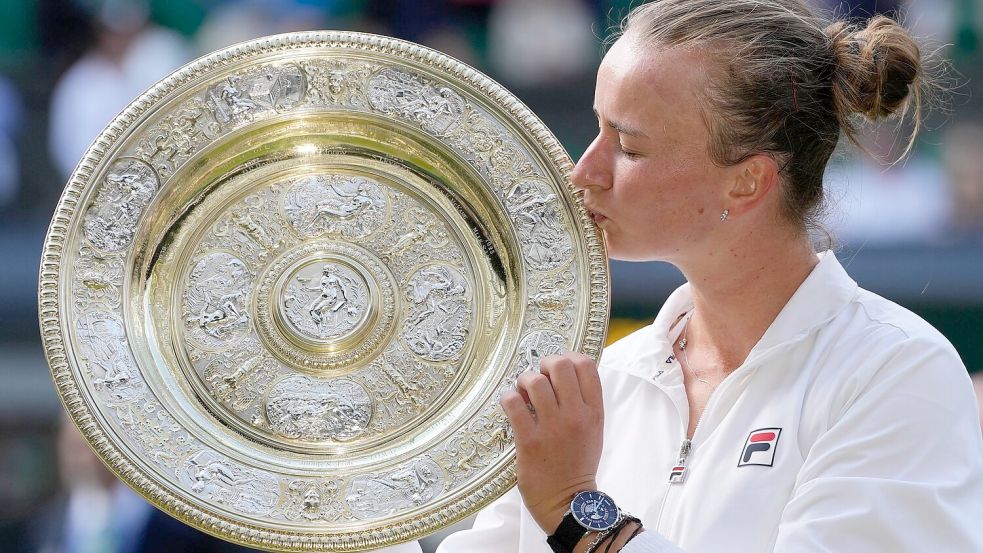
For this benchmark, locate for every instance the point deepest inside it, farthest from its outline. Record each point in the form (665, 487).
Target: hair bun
(877, 67)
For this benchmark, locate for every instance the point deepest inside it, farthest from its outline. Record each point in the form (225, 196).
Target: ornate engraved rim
(52, 274)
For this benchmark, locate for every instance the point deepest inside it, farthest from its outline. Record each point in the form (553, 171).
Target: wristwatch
(590, 511)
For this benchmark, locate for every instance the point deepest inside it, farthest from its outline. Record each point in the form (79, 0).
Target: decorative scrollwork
(336, 82)
(412, 484)
(98, 279)
(218, 479)
(244, 97)
(436, 108)
(536, 211)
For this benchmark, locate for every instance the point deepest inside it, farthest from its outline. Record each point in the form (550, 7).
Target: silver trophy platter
(284, 290)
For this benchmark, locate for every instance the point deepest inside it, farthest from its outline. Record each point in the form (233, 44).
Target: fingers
(574, 377)
(563, 380)
(517, 410)
(537, 389)
(588, 378)
(563, 376)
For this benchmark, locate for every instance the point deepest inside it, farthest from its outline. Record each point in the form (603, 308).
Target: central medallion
(325, 306)
(324, 301)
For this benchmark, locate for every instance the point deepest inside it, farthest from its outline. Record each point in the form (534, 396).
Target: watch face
(594, 510)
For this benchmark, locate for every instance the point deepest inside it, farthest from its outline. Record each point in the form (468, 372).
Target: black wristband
(567, 535)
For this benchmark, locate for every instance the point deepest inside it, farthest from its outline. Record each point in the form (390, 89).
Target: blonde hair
(784, 81)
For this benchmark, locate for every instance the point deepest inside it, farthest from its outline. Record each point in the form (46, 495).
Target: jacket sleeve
(899, 466)
(495, 529)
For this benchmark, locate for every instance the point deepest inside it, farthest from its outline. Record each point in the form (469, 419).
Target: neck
(739, 292)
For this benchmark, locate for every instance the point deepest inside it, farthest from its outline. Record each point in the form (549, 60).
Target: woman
(773, 405)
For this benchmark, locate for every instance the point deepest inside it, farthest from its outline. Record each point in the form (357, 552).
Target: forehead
(643, 80)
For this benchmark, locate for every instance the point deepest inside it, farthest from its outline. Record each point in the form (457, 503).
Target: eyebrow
(622, 128)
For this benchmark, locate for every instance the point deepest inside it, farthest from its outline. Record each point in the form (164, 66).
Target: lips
(598, 218)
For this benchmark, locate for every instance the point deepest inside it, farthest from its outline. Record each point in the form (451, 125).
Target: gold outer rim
(52, 275)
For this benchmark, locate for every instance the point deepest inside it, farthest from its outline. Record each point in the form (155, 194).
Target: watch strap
(567, 535)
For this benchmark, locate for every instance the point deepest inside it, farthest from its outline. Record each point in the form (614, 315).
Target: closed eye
(629, 154)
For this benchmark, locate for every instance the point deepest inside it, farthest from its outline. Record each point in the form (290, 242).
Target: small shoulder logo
(759, 449)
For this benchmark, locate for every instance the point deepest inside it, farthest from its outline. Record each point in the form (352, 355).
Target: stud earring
(725, 215)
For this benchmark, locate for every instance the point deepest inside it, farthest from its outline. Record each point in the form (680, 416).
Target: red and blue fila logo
(759, 449)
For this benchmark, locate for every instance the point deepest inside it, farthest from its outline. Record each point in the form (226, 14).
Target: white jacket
(851, 427)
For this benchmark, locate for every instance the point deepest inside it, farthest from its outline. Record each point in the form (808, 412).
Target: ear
(754, 180)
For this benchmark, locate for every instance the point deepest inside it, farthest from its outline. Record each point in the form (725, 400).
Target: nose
(592, 170)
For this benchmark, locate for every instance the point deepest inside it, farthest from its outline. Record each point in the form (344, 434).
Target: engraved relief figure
(217, 479)
(536, 212)
(336, 82)
(177, 138)
(127, 190)
(215, 299)
(242, 97)
(250, 229)
(436, 109)
(237, 379)
(233, 98)
(484, 441)
(352, 206)
(437, 326)
(413, 484)
(491, 149)
(313, 409)
(104, 350)
(331, 297)
(407, 390)
(314, 500)
(422, 228)
(329, 309)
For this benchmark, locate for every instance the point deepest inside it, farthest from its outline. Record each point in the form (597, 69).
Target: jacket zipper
(681, 468)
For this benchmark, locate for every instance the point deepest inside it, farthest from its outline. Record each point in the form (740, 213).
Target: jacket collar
(821, 296)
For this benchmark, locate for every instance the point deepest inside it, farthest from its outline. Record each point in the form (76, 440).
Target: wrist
(592, 519)
(552, 516)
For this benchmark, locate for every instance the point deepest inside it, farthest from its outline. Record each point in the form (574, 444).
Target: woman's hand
(558, 441)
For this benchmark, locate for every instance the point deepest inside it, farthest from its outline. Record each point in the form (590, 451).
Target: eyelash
(629, 155)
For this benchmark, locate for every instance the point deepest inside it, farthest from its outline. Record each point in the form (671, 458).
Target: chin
(616, 253)
(634, 252)
(619, 255)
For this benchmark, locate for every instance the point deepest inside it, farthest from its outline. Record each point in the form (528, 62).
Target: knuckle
(526, 378)
(549, 362)
(584, 362)
(511, 400)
